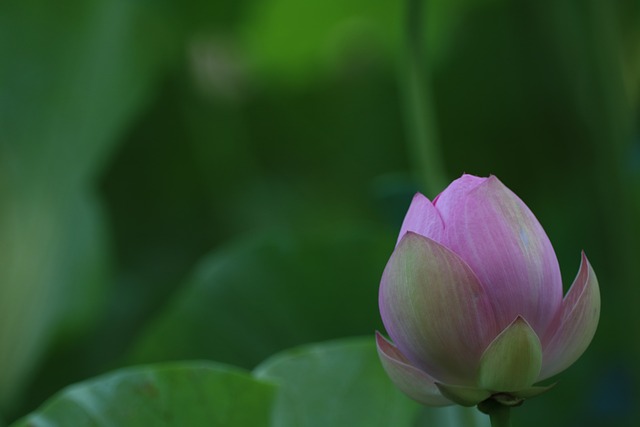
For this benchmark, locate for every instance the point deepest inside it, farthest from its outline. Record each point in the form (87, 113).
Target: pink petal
(572, 331)
(422, 218)
(409, 379)
(490, 228)
(435, 310)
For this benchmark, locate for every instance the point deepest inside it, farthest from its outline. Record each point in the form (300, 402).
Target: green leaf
(190, 394)
(73, 77)
(335, 384)
(295, 40)
(342, 383)
(270, 292)
(73, 74)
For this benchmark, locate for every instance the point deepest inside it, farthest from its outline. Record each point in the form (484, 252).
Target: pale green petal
(435, 310)
(465, 396)
(512, 361)
(527, 393)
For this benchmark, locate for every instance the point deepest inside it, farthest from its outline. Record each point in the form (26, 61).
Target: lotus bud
(472, 299)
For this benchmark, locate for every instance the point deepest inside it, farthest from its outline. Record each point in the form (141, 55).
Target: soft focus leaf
(196, 394)
(342, 384)
(269, 292)
(72, 76)
(83, 284)
(297, 39)
(529, 91)
(338, 384)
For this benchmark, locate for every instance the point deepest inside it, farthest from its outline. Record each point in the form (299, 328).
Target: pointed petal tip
(411, 236)
(513, 359)
(419, 196)
(520, 320)
(383, 343)
(585, 281)
(574, 328)
(422, 217)
(502, 241)
(583, 260)
(468, 181)
(493, 184)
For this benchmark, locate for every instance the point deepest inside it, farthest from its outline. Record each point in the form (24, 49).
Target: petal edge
(503, 242)
(463, 396)
(435, 310)
(410, 380)
(577, 324)
(422, 218)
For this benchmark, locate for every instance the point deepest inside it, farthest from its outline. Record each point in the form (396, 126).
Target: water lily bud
(472, 299)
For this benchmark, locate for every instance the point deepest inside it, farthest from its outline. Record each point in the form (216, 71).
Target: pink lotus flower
(472, 298)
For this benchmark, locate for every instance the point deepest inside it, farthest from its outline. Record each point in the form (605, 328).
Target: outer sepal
(464, 396)
(534, 391)
(512, 361)
(435, 310)
(409, 379)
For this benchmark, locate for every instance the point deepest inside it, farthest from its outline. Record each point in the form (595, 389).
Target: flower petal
(435, 310)
(422, 218)
(409, 379)
(512, 361)
(576, 323)
(464, 396)
(534, 391)
(490, 228)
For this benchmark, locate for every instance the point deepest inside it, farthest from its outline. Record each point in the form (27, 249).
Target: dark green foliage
(225, 179)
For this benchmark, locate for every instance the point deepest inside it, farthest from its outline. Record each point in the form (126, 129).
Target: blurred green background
(223, 180)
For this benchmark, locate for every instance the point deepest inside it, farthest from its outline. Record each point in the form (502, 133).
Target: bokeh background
(222, 180)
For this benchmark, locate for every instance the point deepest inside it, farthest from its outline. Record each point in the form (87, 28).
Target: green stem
(422, 131)
(499, 414)
(500, 417)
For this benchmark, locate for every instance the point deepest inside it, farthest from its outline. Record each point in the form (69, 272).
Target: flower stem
(500, 417)
(421, 125)
(499, 414)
